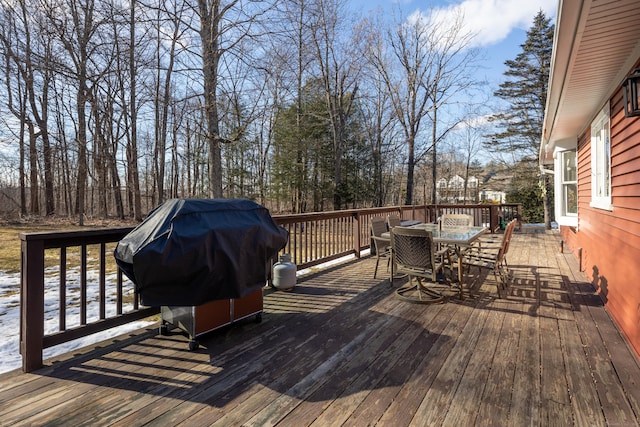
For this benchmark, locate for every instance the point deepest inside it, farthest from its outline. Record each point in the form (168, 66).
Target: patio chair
(456, 220)
(451, 220)
(393, 221)
(414, 253)
(382, 244)
(508, 231)
(494, 260)
(493, 242)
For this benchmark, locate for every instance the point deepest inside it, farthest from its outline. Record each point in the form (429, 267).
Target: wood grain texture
(341, 349)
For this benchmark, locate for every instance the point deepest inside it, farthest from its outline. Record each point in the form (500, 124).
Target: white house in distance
(493, 196)
(452, 190)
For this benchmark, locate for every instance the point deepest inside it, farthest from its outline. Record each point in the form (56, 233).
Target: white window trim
(564, 182)
(562, 218)
(601, 120)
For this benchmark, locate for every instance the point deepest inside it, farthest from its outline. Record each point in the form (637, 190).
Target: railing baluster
(328, 247)
(136, 298)
(312, 240)
(307, 240)
(340, 231)
(103, 279)
(62, 291)
(83, 285)
(296, 235)
(119, 293)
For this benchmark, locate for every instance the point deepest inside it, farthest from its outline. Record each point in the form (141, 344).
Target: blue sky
(500, 25)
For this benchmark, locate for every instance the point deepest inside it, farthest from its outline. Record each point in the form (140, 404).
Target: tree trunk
(209, 33)
(132, 149)
(410, 169)
(81, 140)
(33, 171)
(116, 186)
(21, 167)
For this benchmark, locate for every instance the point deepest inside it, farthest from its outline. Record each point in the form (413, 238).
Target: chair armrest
(381, 239)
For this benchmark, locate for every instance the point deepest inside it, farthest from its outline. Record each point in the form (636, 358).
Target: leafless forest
(110, 107)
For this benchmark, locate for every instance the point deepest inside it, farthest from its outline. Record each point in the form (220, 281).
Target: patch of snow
(10, 357)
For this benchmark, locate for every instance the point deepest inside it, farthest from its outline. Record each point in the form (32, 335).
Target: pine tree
(520, 127)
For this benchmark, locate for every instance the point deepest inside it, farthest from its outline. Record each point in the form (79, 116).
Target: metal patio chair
(414, 253)
(456, 220)
(393, 221)
(494, 259)
(382, 244)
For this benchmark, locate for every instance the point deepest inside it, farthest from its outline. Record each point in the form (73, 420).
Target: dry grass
(10, 244)
(10, 237)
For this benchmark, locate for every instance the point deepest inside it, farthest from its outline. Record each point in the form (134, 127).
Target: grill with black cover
(191, 251)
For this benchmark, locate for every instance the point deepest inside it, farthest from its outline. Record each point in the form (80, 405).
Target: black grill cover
(192, 251)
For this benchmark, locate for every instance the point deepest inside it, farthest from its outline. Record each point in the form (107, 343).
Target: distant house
(594, 149)
(494, 188)
(493, 196)
(452, 190)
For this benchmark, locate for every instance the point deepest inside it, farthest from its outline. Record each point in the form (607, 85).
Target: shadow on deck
(341, 349)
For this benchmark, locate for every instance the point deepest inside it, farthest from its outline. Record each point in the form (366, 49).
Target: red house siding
(610, 240)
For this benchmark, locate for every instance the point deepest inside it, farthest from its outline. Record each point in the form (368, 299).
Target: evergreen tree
(301, 164)
(520, 127)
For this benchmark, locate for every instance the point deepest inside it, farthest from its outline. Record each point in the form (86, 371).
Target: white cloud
(492, 20)
(475, 122)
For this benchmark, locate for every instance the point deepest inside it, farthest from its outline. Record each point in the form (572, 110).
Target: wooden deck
(342, 350)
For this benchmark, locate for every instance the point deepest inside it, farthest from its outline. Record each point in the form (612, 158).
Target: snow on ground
(10, 357)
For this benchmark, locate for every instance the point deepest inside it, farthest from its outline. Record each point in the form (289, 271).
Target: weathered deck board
(342, 350)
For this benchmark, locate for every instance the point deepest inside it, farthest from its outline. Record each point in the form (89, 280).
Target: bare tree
(453, 64)
(16, 96)
(30, 50)
(272, 81)
(172, 23)
(297, 18)
(377, 114)
(339, 68)
(405, 69)
(131, 120)
(223, 26)
(75, 26)
(469, 136)
(420, 68)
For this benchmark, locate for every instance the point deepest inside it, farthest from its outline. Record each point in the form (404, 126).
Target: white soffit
(596, 45)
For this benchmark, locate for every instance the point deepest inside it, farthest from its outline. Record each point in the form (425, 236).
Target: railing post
(31, 303)
(494, 217)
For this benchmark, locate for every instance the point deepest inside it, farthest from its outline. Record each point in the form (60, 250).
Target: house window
(569, 183)
(601, 161)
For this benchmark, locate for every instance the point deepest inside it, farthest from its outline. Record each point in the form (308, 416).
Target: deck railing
(84, 258)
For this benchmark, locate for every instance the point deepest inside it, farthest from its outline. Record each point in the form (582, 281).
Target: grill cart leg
(164, 329)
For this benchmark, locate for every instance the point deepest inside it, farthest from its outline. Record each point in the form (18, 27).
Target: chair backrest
(508, 233)
(506, 239)
(413, 250)
(456, 220)
(378, 226)
(393, 221)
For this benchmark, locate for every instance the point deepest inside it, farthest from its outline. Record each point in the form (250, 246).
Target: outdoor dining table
(458, 238)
